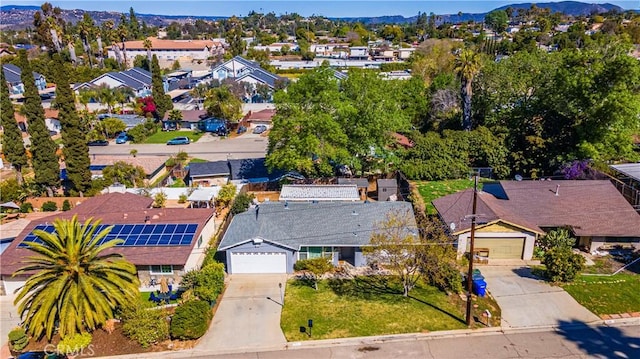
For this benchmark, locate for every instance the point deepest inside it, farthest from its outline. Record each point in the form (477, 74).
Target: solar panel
(135, 234)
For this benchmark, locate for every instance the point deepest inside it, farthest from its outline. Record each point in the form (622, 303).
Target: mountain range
(21, 16)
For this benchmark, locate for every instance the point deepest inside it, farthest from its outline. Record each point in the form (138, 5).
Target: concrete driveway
(530, 302)
(246, 319)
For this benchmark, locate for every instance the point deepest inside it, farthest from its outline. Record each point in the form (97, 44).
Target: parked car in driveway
(98, 143)
(179, 141)
(122, 138)
(259, 129)
(242, 129)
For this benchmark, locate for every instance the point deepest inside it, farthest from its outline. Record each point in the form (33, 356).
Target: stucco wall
(195, 259)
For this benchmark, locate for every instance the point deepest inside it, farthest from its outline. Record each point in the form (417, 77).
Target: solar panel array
(136, 234)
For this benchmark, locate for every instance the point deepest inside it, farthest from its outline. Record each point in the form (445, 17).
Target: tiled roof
(161, 44)
(190, 115)
(591, 208)
(300, 224)
(120, 208)
(319, 193)
(48, 113)
(215, 168)
(262, 115)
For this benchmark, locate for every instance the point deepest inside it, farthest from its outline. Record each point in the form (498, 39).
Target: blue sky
(330, 8)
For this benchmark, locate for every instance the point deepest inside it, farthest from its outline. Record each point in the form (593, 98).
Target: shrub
(242, 203)
(315, 266)
(182, 156)
(191, 320)
(159, 200)
(66, 205)
(182, 198)
(74, 343)
(206, 283)
(26, 207)
(562, 264)
(226, 194)
(49, 206)
(143, 324)
(18, 339)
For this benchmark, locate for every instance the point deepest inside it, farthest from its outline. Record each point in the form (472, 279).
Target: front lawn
(164, 136)
(430, 190)
(144, 297)
(365, 307)
(607, 294)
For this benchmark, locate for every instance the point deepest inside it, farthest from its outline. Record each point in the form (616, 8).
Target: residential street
(569, 340)
(208, 147)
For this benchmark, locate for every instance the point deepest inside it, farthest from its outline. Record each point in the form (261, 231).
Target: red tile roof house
(170, 255)
(513, 215)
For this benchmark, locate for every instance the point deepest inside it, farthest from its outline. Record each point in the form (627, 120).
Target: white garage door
(242, 262)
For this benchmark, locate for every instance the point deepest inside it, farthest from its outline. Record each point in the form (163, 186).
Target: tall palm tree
(148, 46)
(468, 65)
(75, 284)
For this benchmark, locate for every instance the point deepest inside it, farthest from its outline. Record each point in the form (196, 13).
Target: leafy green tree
(221, 103)
(439, 265)
(43, 150)
(12, 143)
(124, 173)
(159, 200)
(163, 102)
(242, 203)
(75, 286)
(112, 126)
(226, 195)
(497, 20)
(308, 134)
(75, 150)
(396, 244)
(315, 267)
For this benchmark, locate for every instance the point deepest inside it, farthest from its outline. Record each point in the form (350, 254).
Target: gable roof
(135, 78)
(302, 224)
(12, 73)
(109, 208)
(205, 169)
(591, 208)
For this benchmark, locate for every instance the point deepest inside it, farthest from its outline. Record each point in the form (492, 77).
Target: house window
(315, 252)
(161, 269)
(200, 242)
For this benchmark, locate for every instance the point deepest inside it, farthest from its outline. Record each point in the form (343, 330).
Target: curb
(323, 343)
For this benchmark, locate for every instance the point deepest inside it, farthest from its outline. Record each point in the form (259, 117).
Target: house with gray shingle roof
(137, 79)
(272, 236)
(315, 192)
(12, 74)
(512, 215)
(248, 72)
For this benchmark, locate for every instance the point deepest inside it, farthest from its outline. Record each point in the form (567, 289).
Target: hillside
(21, 16)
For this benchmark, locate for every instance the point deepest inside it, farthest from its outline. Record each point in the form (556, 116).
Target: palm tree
(148, 46)
(84, 97)
(107, 97)
(75, 285)
(468, 65)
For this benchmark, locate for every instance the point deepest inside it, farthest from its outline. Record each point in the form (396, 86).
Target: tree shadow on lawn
(382, 288)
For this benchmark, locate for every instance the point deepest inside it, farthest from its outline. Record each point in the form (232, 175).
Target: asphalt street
(209, 147)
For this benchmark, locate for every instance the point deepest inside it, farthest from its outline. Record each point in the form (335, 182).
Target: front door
(347, 254)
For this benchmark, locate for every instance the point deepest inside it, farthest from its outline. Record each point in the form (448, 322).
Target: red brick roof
(262, 115)
(120, 208)
(159, 44)
(190, 115)
(48, 113)
(591, 208)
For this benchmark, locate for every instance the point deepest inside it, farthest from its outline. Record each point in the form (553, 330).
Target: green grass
(607, 294)
(164, 136)
(430, 190)
(364, 307)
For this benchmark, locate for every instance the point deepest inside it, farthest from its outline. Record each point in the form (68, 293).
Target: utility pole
(471, 242)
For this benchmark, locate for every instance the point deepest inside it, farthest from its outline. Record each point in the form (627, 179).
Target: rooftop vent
(354, 213)
(557, 190)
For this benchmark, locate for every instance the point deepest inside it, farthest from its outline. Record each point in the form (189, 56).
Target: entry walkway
(527, 301)
(248, 317)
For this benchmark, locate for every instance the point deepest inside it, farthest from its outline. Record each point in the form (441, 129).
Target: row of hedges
(48, 206)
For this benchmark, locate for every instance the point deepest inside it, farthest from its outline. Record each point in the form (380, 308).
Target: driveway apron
(527, 301)
(248, 316)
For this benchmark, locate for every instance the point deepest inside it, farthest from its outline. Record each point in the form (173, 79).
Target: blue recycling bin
(480, 287)
(477, 276)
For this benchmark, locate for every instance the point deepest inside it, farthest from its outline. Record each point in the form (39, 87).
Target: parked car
(179, 141)
(222, 131)
(242, 129)
(259, 129)
(98, 143)
(122, 138)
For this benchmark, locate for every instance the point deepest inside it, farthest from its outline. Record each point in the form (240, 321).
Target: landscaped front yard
(607, 294)
(164, 136)
(365, 307)
(430, 190)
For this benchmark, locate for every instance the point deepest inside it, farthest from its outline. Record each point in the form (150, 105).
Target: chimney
(557, 190)
(147, 220)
